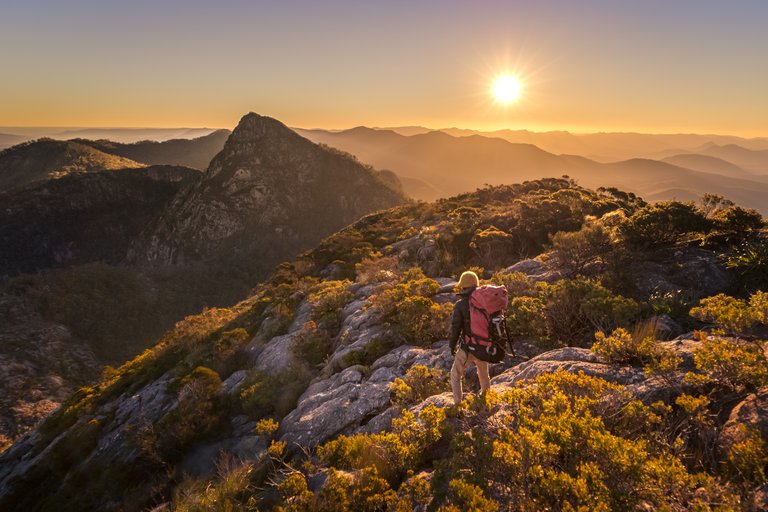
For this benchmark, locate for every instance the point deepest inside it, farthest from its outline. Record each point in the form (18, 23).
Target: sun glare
(507, 88)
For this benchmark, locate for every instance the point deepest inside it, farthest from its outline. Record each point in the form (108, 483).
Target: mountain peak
(253, 126)
(269, 193)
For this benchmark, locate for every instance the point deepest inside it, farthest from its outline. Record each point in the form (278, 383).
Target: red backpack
(488, 328)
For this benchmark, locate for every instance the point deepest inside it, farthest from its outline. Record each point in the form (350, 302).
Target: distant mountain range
(10, 135)
(603, 147)
(195, 153)
(453, 164)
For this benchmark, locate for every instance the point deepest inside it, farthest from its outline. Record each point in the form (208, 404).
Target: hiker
(460, 328)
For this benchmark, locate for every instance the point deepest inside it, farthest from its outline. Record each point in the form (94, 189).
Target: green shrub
(747, 458)
(517, 283)
(312, 344)
(391, 453)
(734, 364)
(328, 299)
(421, 321)
(230, 341)
(492, 245)
(572, 251)
(375, 349)
(735, 316)
(526, 316)
(264, 394)
(195, 415)
(231, 490)
(575, 308)
(418, 383)
(266, 427)
(750, 261)
(466, 496)
(376, 269)
(737, 219)
(663, 223)
(623, 348)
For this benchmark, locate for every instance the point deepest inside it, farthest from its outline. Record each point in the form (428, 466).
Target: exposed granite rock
(348, 400)
(569, 359)
(535, 269)
(751, 412)
(276, 355)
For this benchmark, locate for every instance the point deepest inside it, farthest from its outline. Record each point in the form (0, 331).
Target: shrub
(328, 299)
(421, 321)
(517, 283)
(264, 394)
(312, 344)
(231, 490)
(747, 458)
(391, 453)
(492, 245)
(623, 348)
(465, 496)
(418, 383)
(735, 364)
(663, 223)
(575, 308)
(194, 416)
(737, 219)
(230, 341)
(573, 251)
(750, 261)
(376, 269)
(375, 348)
(526, 316)
(266, 427)
(735, 316)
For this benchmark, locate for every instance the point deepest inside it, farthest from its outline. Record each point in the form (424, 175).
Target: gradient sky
(588, 65)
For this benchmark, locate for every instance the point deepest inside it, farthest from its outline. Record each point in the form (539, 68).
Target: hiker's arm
(457, 323)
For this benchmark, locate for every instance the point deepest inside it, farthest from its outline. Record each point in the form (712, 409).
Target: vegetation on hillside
(564, 441)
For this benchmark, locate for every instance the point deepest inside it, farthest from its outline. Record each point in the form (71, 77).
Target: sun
(507, 89)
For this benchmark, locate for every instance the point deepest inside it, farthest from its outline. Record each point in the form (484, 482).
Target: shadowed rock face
(83, 217)
(267, 194)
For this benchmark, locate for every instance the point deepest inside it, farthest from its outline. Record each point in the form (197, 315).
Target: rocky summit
(268, 193)
(632, 387)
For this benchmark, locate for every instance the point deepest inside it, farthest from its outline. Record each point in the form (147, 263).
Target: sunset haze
(686, 66)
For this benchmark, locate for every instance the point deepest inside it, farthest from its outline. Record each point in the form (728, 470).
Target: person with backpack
(477, 331)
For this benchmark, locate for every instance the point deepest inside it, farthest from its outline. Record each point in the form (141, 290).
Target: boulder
(276, 355)
(347, 401)
(752, 412)
(568, 359)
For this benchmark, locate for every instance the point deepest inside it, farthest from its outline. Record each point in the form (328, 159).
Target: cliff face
(268, 193)
(83, 217)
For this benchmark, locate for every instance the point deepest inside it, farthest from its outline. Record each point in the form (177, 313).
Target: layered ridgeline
(453, 164)
(44, 159)
(326, 388)
(70, 300)
(196, 153)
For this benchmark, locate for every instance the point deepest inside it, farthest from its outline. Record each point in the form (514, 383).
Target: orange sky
(595, 65)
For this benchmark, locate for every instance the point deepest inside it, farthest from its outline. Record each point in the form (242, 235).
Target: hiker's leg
(457, 372)
(482, 374)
